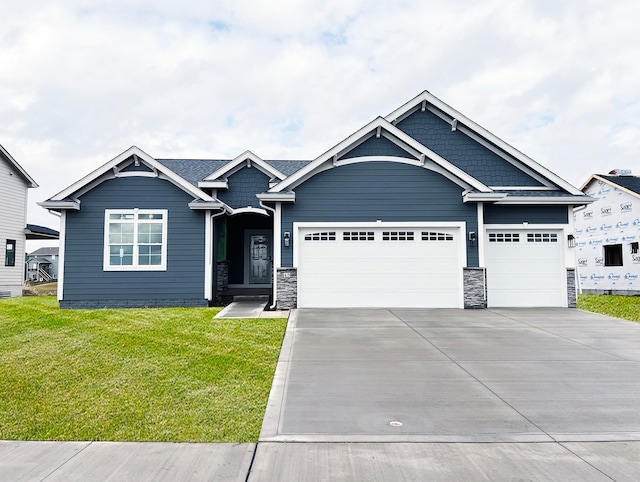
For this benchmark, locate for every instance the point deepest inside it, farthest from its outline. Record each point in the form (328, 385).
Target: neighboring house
(421, 208)
(14, 184)
(42, 265)
(608, 233)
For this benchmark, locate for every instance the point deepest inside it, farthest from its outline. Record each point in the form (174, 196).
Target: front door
(259, 258)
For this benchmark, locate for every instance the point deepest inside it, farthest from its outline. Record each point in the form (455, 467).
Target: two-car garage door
(380, 266)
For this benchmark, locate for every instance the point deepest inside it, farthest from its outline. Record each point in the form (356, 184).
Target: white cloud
(284, 78)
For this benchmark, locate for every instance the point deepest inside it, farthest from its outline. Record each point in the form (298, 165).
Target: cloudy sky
(81, 80)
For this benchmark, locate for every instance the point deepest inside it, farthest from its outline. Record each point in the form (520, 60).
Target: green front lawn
(625, 307)
(167, 374)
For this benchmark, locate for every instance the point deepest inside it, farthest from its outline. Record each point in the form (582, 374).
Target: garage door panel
(379, 267)
(525, 268)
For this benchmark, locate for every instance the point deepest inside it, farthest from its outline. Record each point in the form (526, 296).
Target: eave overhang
(288, 196)
(60, 205)
(215, 205)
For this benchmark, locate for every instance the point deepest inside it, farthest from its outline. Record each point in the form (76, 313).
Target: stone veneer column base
(475, 288)
(572, 296)
(287, 295)
(222, 276)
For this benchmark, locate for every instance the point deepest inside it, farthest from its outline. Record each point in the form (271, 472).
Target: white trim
(135, 266)
(546, 200)
(417, 101)
(214, 184)
(145, 158)
(61, 253)
(461, 226)
(18, 167)
(288, 196)
(481, 259)
(394, 134)
(248, 159)
(249, 210)
(570, 253)
(208, 255)
(61, 205)
(277, 248)
(524, 188)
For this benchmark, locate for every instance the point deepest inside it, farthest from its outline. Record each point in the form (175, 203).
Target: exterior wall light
(571, 241)
(287, 238)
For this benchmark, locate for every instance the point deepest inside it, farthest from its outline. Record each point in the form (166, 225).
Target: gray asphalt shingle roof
(632, 183)
(196, 170)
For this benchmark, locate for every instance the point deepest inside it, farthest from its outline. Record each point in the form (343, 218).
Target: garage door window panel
(397, 235)
(358, 236)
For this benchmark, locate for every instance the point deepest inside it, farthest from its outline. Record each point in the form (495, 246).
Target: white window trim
(135, 266)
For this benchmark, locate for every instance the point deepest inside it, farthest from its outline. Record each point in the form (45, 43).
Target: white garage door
(382, 266)
(525, 268)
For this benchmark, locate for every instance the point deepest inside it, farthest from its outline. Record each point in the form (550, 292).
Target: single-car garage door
(525, 268)
(381, 266)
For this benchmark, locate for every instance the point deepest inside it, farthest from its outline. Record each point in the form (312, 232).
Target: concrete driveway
(559, 387)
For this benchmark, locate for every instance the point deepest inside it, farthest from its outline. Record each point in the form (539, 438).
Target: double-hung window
(135, 239)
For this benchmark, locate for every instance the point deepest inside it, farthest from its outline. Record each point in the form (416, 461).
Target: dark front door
(259, 257)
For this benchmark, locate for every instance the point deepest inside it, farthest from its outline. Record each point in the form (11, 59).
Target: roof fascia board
(393, 134)
(215, 204)
(311, 168)
(610, 183)
(246, 158)
(432, 100)
(18, 167)
(60, 205)
(214, 184)
(524, 188)
(436, 158)
(288, 196)
(109, 166)
(547, 200)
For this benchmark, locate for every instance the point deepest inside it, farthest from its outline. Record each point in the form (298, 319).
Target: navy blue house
(421, 208)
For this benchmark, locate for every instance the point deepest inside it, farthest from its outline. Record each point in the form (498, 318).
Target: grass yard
(161, 374)
(625, 307)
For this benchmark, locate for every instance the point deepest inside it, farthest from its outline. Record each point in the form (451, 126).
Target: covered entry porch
(244, 255)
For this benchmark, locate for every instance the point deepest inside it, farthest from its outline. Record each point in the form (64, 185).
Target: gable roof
(419, 156)
(218, 178)
(9, 158)
(67, 199)
(46, 251)
(460, 122)
(629, 184)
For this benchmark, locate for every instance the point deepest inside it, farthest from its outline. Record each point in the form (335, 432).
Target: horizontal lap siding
(525, 214)
(84, 278)
(13, 211)
(370, 191)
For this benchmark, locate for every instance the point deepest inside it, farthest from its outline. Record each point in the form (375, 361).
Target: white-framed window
(135, 239)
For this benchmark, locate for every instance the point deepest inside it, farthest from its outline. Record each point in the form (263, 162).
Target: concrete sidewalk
(410, 395)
